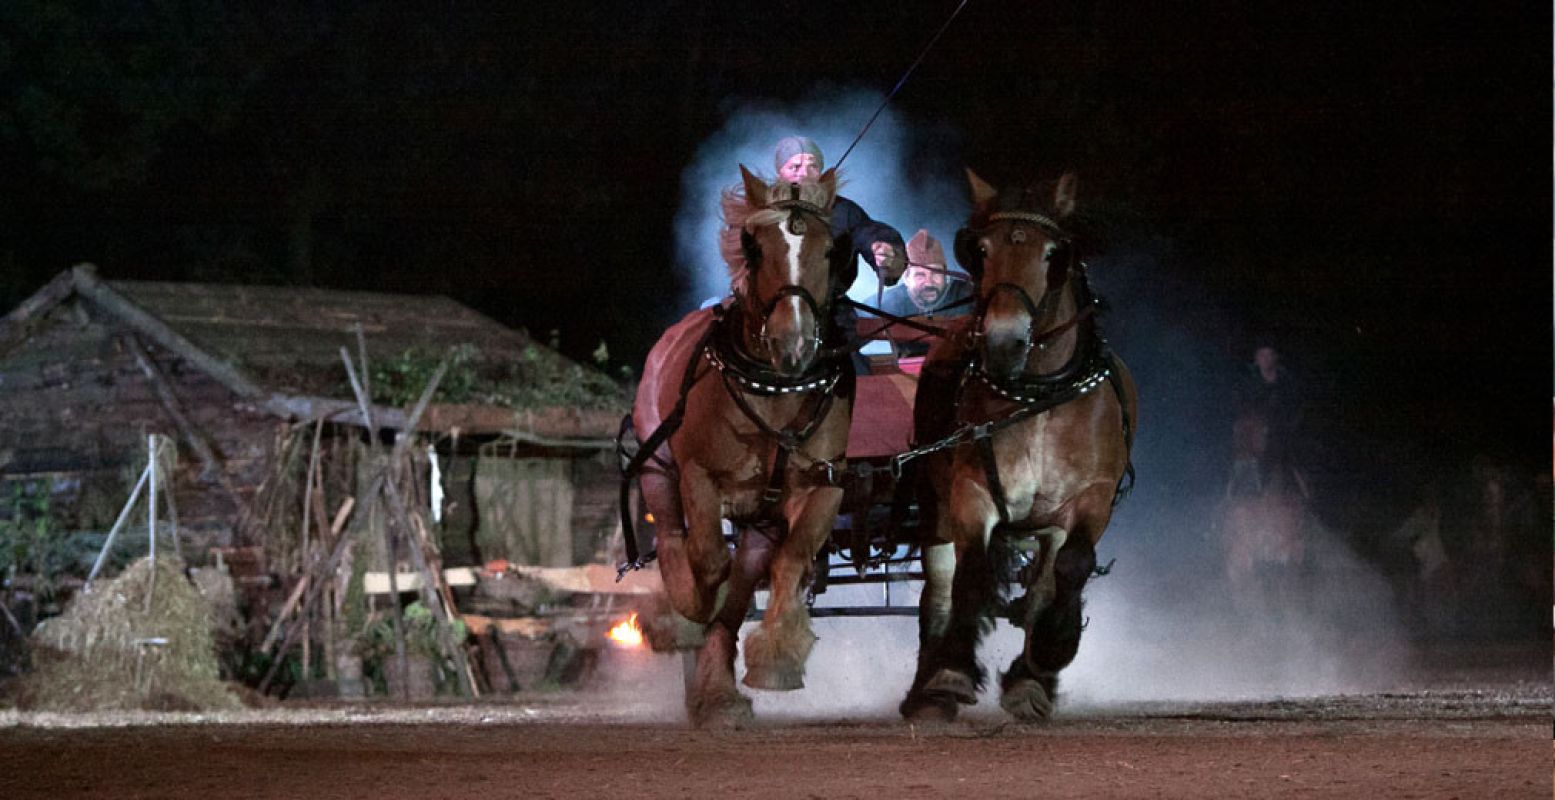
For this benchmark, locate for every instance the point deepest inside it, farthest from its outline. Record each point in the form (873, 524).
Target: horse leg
(953, 671)
(712, 699)
(1053, 624)
(775, 653)
(939, 568)
(948, 672)
(694, 560)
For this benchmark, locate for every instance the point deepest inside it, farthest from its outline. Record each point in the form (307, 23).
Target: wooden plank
(529, 627)
(378, 582)
(591, 579)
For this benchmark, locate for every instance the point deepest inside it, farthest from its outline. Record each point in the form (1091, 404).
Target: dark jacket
(847, 219)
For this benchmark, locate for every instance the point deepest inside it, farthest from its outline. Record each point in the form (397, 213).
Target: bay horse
(758, 407)
(1035, 446)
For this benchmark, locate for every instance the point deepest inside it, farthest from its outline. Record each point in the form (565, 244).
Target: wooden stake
(129, 504)
(328, 568)
(286, 610)
(307, 549)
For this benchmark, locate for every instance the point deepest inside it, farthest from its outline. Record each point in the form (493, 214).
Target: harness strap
(1122, 491)
(788, 440)
(983, 439)
(649, 448)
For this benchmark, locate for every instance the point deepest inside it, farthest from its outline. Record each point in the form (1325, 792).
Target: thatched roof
(279, 347)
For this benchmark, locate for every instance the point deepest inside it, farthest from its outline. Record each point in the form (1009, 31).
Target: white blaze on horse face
(789, 322)
(795, 241)
(1006, 319)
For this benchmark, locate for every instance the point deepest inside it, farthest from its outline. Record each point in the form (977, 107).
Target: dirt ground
(1465, 734)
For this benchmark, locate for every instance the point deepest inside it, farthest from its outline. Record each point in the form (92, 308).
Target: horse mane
(740, 217)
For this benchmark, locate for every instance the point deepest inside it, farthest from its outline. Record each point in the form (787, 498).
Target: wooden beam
(378, 582)
(214, 469)
(102, 296)
(15, 326)
(528, 627)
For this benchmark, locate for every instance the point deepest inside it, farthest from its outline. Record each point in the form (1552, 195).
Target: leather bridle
(1051, 295)
(798, 210)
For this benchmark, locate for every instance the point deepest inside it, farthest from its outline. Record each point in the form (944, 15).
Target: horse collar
(722, 351)
(1043, 391)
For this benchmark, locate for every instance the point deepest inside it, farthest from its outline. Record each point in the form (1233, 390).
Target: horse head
(786, 286)
(1016, 248)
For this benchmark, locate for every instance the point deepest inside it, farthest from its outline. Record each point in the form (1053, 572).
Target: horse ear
(1063, 196)
(755, 189)
(828, 182)
(982, 192)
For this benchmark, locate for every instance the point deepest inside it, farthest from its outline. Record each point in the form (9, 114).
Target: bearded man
(926, 291)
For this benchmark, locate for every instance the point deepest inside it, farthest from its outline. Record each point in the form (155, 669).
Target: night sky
(1366, 184)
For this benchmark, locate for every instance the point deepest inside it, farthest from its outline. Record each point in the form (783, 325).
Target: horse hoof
(1027, 701)
(723, 714)
(958, 686)
(774, 679)
(929, 709)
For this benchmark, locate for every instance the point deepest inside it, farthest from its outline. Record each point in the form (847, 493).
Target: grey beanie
(791, 146)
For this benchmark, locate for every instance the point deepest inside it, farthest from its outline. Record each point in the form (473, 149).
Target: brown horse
(1263, 519)
(1037, 416)
(762, 408)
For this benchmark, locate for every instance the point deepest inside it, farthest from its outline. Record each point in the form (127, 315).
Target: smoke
(1164, 626)
(905, 173)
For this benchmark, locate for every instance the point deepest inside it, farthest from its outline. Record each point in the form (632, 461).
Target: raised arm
(880, 245)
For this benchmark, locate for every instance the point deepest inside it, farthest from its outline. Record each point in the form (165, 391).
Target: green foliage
(400, 380)
(421, 633)
(537, 379)
(421, 639)
(33, 544)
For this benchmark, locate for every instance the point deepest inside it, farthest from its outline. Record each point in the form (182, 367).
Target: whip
(902, 82)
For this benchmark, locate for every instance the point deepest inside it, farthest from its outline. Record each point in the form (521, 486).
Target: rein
(1093, 363)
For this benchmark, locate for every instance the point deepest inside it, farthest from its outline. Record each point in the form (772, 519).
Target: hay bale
(106, 652)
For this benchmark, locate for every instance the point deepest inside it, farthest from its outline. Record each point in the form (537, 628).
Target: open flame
(627, 633)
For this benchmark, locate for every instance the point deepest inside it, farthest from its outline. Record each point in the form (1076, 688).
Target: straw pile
(107, 652)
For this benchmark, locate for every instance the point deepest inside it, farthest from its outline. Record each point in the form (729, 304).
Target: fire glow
(627, 633)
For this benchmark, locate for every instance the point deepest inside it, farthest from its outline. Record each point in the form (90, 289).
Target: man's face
(924, 286)
(1266, 358)
(800, 168)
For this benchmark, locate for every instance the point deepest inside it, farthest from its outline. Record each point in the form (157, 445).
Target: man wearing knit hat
(799, 160)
